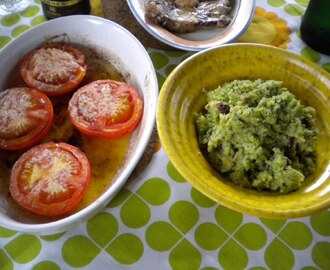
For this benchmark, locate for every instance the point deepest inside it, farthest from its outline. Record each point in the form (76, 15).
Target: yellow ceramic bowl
(183, 94)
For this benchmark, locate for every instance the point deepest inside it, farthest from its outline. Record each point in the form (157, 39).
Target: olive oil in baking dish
(106, 157)
(54, 9)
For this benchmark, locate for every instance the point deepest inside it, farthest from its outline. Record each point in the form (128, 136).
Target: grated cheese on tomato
(14, 106)
(92, 111)
(52, 65)
(53, 168)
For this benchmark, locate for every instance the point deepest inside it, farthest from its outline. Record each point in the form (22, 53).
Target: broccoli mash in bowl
(258, 135)
(248, 125)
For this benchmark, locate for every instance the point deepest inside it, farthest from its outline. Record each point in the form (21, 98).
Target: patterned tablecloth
(158, 221)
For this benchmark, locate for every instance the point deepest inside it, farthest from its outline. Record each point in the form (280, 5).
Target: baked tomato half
(54, 69)
(26, 115)
(106, 108)
(50, 179)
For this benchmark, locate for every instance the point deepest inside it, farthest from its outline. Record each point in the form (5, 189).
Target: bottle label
(61, 3)
(55, 9)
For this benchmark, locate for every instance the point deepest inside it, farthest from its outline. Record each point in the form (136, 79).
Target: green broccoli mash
(258, 135)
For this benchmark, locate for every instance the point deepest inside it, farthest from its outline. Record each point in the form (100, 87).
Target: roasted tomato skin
(50, 179)
(106, 108)
(54, 69)
(26, 116)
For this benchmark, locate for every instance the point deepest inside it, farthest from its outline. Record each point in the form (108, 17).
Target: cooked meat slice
(186, 3)
(184, 16)
(213, 13)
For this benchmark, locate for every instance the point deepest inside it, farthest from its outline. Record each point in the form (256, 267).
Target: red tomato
(26, 116)
(106, 108)
(53, 69)
(50, 179)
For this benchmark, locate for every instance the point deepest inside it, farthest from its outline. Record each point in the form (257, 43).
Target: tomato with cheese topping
(26, 116)
(106, 108)
(50, 179)
(54, 69)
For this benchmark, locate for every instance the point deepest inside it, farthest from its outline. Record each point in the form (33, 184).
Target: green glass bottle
(315, 26)
(57, 8)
